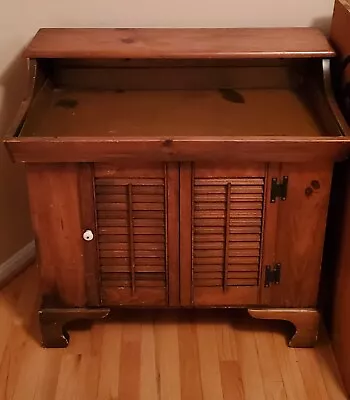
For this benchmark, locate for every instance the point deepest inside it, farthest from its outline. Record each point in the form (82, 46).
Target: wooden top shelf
(179, 43)
(169, 114)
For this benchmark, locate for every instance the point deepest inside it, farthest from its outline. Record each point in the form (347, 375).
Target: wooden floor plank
(20, 343)
(149, 388)
(168, 358)
(209, 361)
(110, 361)
(311, 373)
(90, 375)
(249, 362)
(78, 376)
(269, 367)
(130, 361)
(226, 341)
(46, 386)
(68, 385)
(231, 380)
(157, 356)
(191, 385)
(288, 363)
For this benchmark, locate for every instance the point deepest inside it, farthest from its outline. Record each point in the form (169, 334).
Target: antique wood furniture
(179, 168)
(338, 243)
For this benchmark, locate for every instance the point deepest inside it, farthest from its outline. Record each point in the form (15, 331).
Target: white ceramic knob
(88, 235)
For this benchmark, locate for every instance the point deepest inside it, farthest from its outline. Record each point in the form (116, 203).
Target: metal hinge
(279, 190)
(272, 275)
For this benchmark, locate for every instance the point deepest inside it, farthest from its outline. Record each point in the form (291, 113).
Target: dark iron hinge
(279, 189)
(272, 275)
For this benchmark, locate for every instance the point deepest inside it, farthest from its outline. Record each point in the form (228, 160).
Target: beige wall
(19, 20)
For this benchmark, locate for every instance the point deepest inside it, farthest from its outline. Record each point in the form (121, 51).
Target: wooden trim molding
(16, 263)
(102, 149)
(179, 43)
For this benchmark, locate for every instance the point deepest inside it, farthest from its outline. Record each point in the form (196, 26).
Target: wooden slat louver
(227, 229)
(132, 234)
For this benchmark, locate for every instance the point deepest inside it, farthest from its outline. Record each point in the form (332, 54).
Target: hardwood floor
(158, 355)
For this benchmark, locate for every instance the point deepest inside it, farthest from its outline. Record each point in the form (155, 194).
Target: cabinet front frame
(65, 192)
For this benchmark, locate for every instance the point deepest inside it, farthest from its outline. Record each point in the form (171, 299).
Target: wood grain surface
(55, 210)
(170, 113)
(179, 43)
(147, 355)
(298, 235)
(241, 149)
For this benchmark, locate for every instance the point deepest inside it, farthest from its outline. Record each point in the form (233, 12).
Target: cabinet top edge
(179, 43)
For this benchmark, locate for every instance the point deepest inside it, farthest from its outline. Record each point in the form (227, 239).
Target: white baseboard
(17, 262)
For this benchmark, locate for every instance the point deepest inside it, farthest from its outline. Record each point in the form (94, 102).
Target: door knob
(88, 235)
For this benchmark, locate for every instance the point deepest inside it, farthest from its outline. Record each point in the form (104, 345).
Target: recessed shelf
(170, 113)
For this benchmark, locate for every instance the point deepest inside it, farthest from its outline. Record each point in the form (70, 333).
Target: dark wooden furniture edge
(275, 149)
(331, 100)
(33, 84)
(53, 321)
(55, 335)
(178, 43)
(85, 149)
(335, 288)
(306, 322)
(336, 291)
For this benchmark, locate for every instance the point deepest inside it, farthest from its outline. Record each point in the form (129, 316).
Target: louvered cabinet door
(136, 208)
(221, 251)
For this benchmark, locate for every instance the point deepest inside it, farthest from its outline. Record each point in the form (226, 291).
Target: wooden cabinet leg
(306, 322)
(53, 321)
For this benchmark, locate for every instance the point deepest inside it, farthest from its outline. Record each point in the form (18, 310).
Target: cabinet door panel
(299, 224)
(55, 200)
(137, 223)
(221, 208)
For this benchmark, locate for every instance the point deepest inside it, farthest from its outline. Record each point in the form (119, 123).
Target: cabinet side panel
(340, 242)
(54, 201)
(300, 234)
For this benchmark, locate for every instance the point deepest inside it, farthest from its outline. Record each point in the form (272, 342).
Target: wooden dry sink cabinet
(179, 168)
